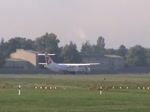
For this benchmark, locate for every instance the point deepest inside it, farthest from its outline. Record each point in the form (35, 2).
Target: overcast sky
(120, 22)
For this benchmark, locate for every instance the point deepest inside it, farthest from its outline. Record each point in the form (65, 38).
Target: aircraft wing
(80, 64)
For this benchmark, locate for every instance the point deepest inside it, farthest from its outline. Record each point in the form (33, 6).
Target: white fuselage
(64, 68)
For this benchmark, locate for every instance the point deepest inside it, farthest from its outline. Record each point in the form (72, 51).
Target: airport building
(108, 63)
(22, 60)
(28, 60)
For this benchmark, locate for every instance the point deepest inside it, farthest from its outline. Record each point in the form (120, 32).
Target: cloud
(80, 33)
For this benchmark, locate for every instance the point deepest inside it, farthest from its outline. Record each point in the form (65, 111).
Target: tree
(137, 56)
(122, 51)
(86, 47)
(29, 44)
(148, 56)
(47, 43)
(110, 51)
(101, 43)
(70, 53)
(2, 54)
(100, 46)
(2, 42)
(2, 59)
(19, 43)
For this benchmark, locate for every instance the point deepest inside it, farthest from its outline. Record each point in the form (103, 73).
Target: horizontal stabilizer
(47, 54)
(42, 63)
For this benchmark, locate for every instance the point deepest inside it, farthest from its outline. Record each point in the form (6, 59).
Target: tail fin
(48, 59)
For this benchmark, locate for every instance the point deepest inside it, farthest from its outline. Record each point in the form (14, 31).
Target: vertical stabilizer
(48, 59)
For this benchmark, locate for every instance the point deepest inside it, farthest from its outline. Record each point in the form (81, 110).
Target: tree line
(134, 56)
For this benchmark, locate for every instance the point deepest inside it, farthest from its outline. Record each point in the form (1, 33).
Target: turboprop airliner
(66, 67)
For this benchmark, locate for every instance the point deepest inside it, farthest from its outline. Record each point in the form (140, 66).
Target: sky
(119, 22)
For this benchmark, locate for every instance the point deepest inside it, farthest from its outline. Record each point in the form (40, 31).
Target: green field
(74, 93)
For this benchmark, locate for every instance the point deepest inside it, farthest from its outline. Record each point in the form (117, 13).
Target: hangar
(22, 60)
(109, 63)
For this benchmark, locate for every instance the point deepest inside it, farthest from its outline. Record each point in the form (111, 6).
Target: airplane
(66, 67)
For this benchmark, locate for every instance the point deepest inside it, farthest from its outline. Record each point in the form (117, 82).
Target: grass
(76, 97)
